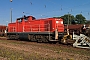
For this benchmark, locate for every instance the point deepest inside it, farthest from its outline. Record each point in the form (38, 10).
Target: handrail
(37, 28)
(31, 28)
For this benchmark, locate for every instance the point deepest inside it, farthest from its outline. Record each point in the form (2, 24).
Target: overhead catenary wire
(61, 8)
(68, 8)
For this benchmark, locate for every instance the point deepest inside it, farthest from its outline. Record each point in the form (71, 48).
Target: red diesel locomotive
(40, 30)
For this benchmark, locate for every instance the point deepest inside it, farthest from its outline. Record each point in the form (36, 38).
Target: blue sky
(42, 8)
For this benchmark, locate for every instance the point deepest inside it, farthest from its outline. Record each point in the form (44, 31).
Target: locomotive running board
(82, 41)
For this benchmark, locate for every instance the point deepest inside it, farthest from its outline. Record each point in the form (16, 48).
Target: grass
(11, 54)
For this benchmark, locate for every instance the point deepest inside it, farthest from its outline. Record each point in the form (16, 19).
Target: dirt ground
(42, 51)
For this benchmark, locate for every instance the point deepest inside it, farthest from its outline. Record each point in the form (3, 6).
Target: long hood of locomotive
(39, 25)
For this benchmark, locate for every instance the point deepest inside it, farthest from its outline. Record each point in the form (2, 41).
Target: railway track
(59, 45)
(50, 43)
(3, 38)
(46, 49)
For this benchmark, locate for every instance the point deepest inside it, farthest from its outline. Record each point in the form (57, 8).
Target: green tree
(88, 22)
(80, 19)
(68, 18)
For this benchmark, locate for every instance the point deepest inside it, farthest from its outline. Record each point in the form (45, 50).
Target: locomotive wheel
(39, 40)
(42, 38)
(8, 37)
(32, 37)
(29, 37)
(45, 39)
(17, 37)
